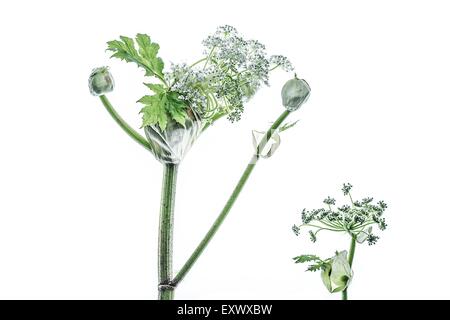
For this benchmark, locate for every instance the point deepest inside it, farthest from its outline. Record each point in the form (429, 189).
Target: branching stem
(229, 204)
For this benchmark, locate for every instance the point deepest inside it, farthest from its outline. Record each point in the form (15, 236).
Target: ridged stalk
(165, 239)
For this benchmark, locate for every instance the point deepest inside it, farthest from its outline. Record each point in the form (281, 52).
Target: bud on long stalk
(101, 81)
(294, 93)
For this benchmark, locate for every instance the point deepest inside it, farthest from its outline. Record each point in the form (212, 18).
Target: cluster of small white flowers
(233, 71)
(354, 219)
(282, 62)
(187, 82)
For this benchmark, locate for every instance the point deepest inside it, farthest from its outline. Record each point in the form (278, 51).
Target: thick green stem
(166, 231)
(229, 204)
(351, 255)
(125, 126)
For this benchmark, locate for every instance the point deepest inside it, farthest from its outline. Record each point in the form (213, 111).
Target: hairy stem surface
(166, 291)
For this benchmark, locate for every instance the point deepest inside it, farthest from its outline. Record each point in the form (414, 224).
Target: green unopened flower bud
(294, 93)
(101, 81)
(337, 274)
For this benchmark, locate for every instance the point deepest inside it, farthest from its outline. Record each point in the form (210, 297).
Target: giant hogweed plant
(183, 102)
(356, 220)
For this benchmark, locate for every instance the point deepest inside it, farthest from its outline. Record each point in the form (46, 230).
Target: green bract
(294, 93)
(271, 144)
(101, 81)
(171, 145)
(337, 274)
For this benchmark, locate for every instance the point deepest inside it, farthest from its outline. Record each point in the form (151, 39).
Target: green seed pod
(337, 274)
(101, 81)
(294, 93)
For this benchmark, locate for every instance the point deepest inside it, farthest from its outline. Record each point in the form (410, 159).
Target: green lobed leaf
(176, 108)
(149, 51)
(156, 88)
(161, 107)
(315, 267)
(154, 112)
(306, 258)
(145, 57)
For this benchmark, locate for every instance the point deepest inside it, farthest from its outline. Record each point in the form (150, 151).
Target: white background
(79, 200)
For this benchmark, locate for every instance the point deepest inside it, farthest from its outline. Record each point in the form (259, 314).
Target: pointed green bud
(294, 93)
(101, 81)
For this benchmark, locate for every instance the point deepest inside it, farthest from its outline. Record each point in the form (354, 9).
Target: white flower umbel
(356, 220)
(231, 72)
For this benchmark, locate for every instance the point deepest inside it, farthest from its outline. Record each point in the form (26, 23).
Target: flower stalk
(122, 123)
(165, 239)
(167, 285)
(229, 204)
(351, 255)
